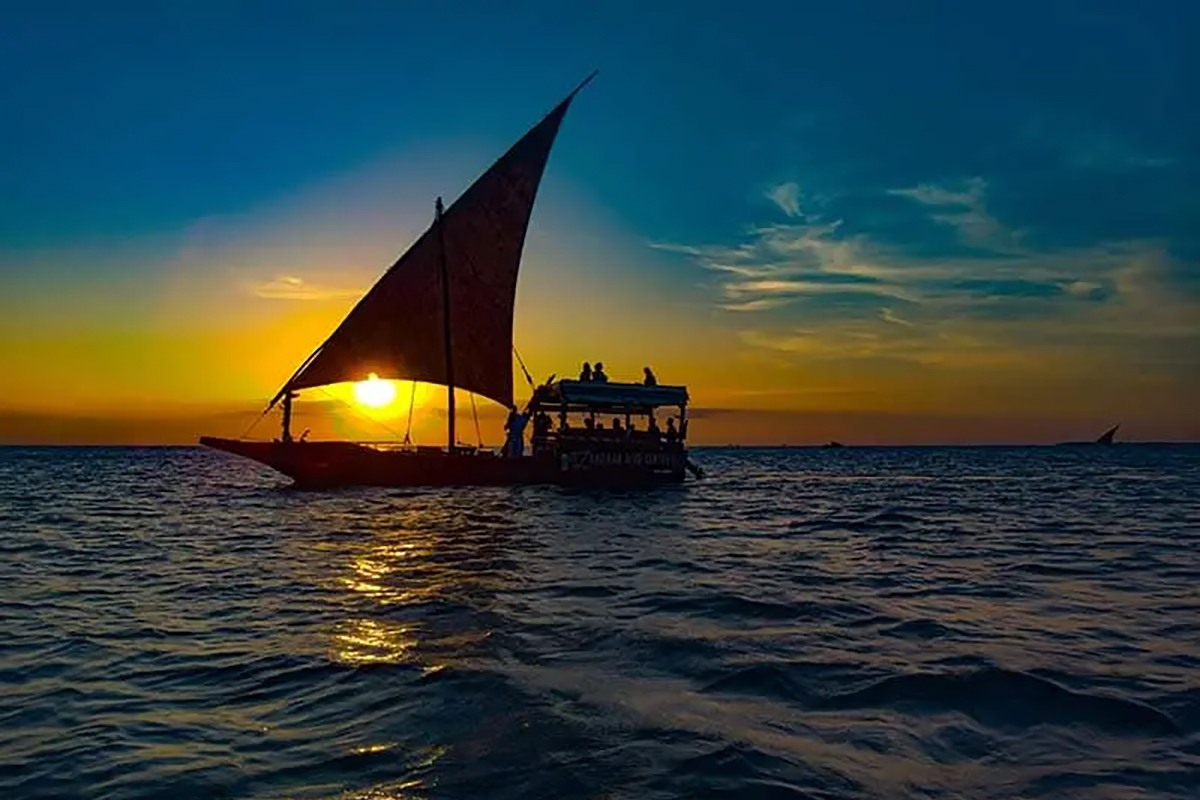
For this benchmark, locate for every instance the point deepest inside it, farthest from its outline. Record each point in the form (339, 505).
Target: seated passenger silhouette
(598, 375)
(672, 434)
(539, 424)
(649, 380)
(653, 429)
(541, 430)
(616, 425)
(585, 374)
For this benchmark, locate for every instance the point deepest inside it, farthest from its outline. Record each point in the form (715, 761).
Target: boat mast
(287, 415)
(438, 209)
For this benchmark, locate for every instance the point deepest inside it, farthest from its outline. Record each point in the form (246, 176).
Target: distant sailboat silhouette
(1105, 439)
(443, 314)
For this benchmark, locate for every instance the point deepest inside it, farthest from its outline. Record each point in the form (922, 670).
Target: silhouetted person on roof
(585, 374)
(598, 375)
(649, 380)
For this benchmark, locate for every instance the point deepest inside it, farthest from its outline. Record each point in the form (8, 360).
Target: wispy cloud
(813, 292)
(787, 262)
(787, 197)
(758, 304)
(965, 210)
(887, 315)
(292, 287)
(794, 288)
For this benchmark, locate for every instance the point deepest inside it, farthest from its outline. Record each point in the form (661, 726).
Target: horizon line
(724, 446)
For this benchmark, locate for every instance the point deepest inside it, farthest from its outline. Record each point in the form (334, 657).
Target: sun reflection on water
(369, 641)
(379, 573)
(402, 790)
(394, 585)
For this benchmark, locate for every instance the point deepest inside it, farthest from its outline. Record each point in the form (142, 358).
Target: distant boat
(832, 445)
(443, 314)
(1105, 439)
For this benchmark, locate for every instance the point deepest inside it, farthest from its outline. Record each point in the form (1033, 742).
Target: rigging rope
(353, 410)
(475, 413)
(254, 424)
(411, 399)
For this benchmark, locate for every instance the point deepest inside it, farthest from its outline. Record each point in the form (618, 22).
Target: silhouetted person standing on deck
(672, 434)
(515, 425)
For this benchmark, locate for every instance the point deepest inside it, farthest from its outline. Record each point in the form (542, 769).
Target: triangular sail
(398, 329)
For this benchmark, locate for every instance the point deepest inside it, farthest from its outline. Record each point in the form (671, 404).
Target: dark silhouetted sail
(398, 329)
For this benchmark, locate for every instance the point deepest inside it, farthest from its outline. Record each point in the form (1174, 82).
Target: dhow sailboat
(443, 314)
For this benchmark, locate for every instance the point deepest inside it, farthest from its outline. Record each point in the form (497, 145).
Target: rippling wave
(875, 623)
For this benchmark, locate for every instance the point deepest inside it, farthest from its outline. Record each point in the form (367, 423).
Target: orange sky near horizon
(217, 316)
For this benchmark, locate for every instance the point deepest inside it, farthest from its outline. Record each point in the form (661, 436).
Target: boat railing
(402, 447)
(624, 439)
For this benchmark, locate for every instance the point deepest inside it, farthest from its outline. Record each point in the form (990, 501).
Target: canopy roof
(580, 395)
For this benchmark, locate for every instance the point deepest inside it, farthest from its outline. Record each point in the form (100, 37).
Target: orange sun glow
(375, 393)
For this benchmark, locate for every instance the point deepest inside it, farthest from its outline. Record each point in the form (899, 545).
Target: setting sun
(374, 392)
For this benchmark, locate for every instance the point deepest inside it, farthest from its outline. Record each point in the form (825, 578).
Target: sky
(875, 222)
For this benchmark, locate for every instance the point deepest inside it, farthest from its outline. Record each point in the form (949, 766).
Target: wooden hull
(322, 465)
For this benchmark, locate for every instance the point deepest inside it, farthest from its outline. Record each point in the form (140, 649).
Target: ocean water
(877, 623)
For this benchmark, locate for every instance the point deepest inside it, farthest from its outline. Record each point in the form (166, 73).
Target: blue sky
(135, 116)
(863, 181)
